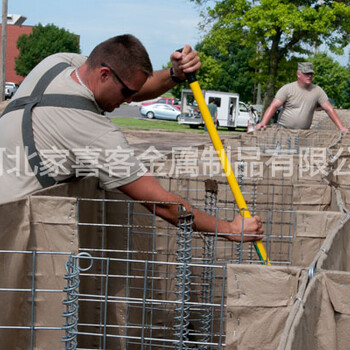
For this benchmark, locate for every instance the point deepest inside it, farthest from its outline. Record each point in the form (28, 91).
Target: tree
(229, 73)
(333, 78)
(286, 30)
(235, 74)
(207, 76)
(42, 42)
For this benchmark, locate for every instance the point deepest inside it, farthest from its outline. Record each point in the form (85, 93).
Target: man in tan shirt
(66, 117)
(299, 100)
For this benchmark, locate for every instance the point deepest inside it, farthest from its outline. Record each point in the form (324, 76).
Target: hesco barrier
(85, 268)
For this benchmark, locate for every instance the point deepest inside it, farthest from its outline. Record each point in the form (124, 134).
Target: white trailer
(232, 113)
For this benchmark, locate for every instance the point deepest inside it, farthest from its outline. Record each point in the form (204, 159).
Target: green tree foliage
(42, 42)
(229, 73)
(284, 29)
(333, 78)
(235, 74)
(207, 76)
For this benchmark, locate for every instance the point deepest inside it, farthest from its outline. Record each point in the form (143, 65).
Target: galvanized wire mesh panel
(146, 314)
(292, 141)
(31, 298)
(151, 287)
(137, 282)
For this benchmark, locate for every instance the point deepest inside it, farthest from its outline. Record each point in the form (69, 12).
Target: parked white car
(10, 89)
(7, 93)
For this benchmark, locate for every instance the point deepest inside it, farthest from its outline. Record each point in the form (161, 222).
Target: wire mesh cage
(167, 284)
(134, 282)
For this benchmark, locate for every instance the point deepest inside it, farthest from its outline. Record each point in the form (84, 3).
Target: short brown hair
(124, 53)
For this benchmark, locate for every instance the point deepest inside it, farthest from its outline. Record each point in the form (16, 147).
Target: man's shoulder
(316, 87)
(285, 91)
(290, 86)
(72, 59)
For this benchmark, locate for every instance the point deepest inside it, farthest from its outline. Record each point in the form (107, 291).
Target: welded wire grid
(159, 287)
(140, 283)
(154, 286)
(29, 297)
(273, 141)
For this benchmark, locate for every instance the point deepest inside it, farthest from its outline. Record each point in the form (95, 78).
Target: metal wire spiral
(289, 144)
(297, 144)
(183, 278)
(206, 318)
(71, 301)
(240, 179)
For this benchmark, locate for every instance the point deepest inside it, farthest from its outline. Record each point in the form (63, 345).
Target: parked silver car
(160, 111)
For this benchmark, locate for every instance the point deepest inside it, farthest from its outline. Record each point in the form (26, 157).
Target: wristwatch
(174, 78)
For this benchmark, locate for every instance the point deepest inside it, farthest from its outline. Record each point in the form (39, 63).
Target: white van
(232, 113)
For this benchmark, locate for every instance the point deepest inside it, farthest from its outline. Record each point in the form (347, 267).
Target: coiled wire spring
(183, 278)
(242, 169)
(71, 302)
(210, 202)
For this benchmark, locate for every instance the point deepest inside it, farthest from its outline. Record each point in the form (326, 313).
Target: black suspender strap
(53, 100)
(39, 99)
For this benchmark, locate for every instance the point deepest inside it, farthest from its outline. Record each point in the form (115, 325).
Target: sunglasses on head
(125, 90)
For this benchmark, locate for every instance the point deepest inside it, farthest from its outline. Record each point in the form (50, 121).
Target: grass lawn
(162, 125)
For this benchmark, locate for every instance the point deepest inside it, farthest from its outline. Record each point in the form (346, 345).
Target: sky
(163, 26)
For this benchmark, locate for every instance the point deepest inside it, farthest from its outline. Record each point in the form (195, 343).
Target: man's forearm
(336, 120)
(268, 115)
(334, 116)
(156, 85)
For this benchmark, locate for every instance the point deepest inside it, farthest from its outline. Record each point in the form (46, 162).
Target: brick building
(13, 33)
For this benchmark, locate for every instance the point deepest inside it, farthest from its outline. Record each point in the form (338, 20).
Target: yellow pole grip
(215, 139)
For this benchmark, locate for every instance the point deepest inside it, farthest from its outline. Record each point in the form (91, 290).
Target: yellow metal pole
(215, 139)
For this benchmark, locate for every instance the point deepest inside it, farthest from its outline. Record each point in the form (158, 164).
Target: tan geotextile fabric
(259, 300)
(334, 254)
(279, 308)
(290, 139)
(35, 224)
(269, 309)
(314, 230)
(299, 166)
(322, 320)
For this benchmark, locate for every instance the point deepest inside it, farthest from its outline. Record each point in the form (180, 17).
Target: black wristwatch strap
(174, 78)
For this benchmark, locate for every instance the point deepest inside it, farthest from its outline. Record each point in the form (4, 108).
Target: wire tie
(311, 271)
(301, 302)
(87, 255)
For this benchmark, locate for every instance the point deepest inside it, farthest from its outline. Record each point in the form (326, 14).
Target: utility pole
(257, 87)
(3, 50)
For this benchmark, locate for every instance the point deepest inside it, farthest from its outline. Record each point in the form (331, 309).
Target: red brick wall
(13, 32)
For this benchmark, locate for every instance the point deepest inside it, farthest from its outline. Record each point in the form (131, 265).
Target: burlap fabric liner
(313, 230)
(290, 139)
(293, 312)
(322, 320)
(42, 224)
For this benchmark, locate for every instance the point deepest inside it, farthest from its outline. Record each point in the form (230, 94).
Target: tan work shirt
(70, 141)
(299, 104)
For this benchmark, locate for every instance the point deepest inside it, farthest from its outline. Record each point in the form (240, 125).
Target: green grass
(161, 125)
